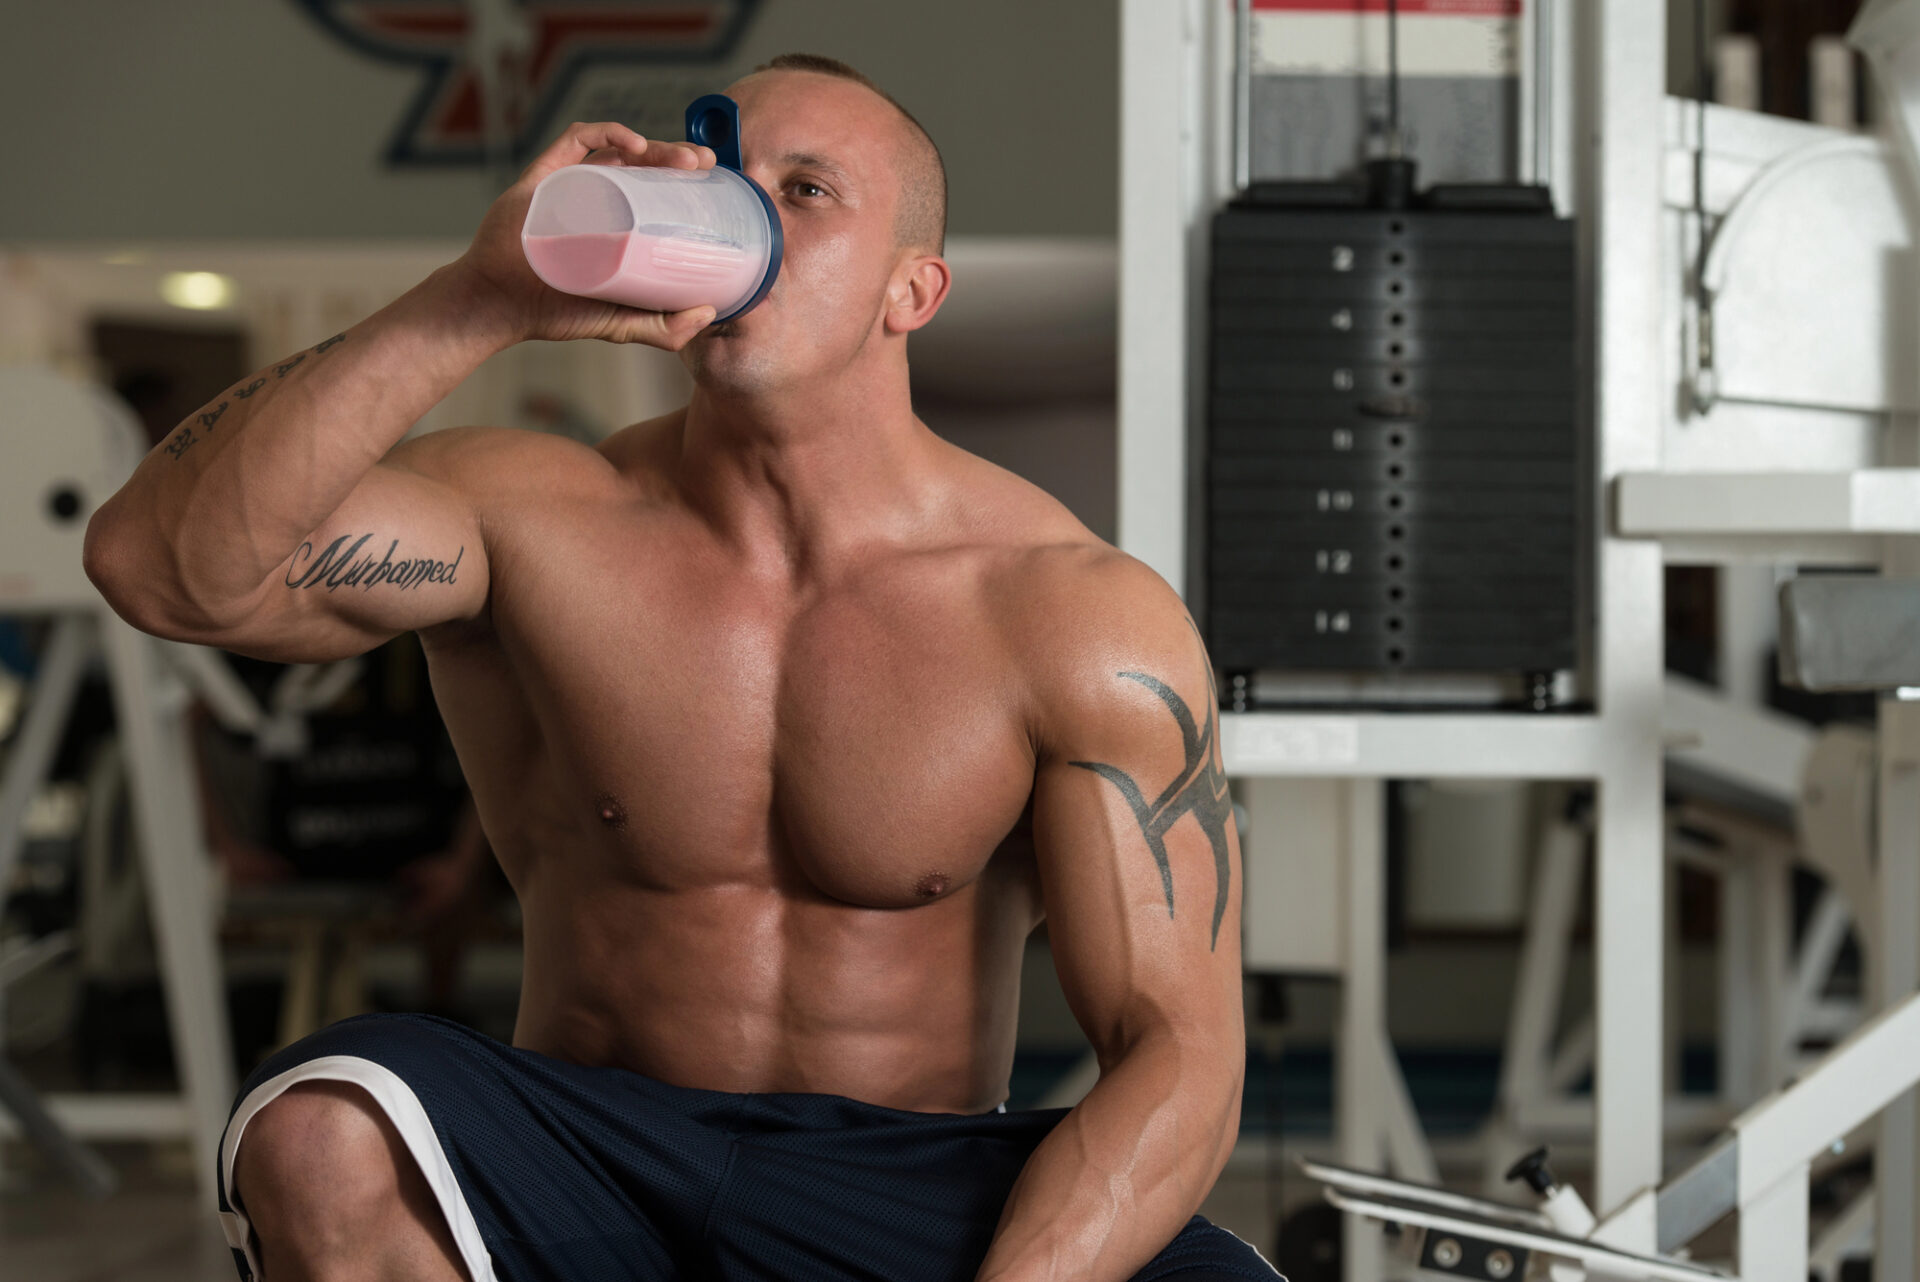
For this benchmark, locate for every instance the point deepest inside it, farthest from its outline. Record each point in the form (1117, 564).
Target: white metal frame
(1771, 1000)
(1174, 82)
(1759, 1172)
(68, 434)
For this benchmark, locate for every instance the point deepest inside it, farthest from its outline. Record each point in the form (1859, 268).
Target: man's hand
(497, 267)
(248, 863)
(434, 885)
(437, 884)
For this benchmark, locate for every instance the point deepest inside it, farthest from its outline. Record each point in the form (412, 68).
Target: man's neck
(801, 478)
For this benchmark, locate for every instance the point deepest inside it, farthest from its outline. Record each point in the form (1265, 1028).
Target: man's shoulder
(495, 465)
(1080, 612)
(1084, 577)
(492, 455)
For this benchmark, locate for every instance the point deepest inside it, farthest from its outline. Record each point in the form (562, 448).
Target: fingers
(579, 140)
(670, 331)
(679, 155)
(664, 155)
(611, 143)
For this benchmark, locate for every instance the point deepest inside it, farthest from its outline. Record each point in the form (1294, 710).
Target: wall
(213, 119)
(1063, 446)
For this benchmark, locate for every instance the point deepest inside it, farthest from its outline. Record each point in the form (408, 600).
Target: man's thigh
(882, 1194)
(543, 1170)
(328, 1185)
(1202, 1252)
(840, 1189)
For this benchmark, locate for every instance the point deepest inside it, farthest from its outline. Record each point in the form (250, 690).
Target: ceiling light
(201, 291)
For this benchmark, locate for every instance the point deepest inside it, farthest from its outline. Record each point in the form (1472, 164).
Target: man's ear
(919, 286)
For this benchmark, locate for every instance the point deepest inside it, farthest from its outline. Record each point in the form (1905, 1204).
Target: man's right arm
(280, 520)
(226, 529)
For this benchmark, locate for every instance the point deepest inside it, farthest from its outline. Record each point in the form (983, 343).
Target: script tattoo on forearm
(286, 367)
(342, 566)
(185, 438)
(1199, 789)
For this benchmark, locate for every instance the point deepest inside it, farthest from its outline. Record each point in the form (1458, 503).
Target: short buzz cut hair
(922, 218)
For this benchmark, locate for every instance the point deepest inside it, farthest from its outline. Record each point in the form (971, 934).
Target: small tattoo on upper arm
(182, 439)
(341, 566)
(1199, 789)
(337, 338)
(212, 416)
(283, 370)
(244, 392)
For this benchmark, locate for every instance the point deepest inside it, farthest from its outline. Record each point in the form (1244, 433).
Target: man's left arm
(1140, 873)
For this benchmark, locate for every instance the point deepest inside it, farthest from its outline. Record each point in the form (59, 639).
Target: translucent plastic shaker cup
(660, 239)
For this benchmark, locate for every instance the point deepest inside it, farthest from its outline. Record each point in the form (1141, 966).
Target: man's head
(862, 197)
(920, 219)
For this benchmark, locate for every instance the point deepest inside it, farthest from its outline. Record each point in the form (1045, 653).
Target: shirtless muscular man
(789, 722)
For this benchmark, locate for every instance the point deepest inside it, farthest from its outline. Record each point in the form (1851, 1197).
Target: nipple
(611, 812)
(934, 883)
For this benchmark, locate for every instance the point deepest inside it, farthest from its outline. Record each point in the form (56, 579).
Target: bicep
(402, 552)
(1139, 859)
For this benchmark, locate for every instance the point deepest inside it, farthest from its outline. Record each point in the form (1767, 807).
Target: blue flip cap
(713, 120)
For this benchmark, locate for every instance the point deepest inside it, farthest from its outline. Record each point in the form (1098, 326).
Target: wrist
(476, 304)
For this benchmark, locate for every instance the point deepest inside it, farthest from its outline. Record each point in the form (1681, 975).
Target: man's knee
(321, 1156)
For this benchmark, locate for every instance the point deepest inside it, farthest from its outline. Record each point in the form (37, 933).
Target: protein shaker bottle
(660, 239)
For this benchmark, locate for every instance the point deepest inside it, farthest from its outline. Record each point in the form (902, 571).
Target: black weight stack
(1393, 461)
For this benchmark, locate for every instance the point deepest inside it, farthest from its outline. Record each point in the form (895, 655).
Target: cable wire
(1700, 73)
(1704, 390)
(1393, 78)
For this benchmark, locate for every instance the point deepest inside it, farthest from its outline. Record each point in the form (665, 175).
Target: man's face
(825, 150)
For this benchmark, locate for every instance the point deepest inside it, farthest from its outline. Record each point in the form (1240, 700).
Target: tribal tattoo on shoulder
(1200, 789)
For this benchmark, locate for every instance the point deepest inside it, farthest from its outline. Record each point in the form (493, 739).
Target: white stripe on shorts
(397, 1100)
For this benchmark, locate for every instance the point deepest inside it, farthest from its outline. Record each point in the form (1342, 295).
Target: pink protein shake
(653, 269)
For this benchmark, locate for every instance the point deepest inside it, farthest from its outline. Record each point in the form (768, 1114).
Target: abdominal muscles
(740, 988)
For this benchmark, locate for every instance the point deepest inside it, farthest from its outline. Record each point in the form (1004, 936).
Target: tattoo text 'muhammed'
(342, 566)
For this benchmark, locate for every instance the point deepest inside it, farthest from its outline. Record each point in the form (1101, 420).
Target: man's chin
(737, 366)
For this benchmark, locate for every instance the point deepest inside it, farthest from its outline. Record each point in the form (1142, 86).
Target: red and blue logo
(498, 73)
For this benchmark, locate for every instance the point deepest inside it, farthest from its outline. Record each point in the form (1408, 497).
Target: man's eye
(805, 188)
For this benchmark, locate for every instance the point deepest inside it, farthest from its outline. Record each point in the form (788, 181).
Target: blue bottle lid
(713, 120)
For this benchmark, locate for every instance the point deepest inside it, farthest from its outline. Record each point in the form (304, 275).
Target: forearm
(243, 479)
(1121, 1174)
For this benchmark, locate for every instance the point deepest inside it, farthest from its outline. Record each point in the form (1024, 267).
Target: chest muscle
(865, 746)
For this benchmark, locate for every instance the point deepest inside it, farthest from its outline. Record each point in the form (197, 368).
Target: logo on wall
(503, 76)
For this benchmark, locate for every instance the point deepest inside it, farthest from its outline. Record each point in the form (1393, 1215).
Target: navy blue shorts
(553, 1171)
